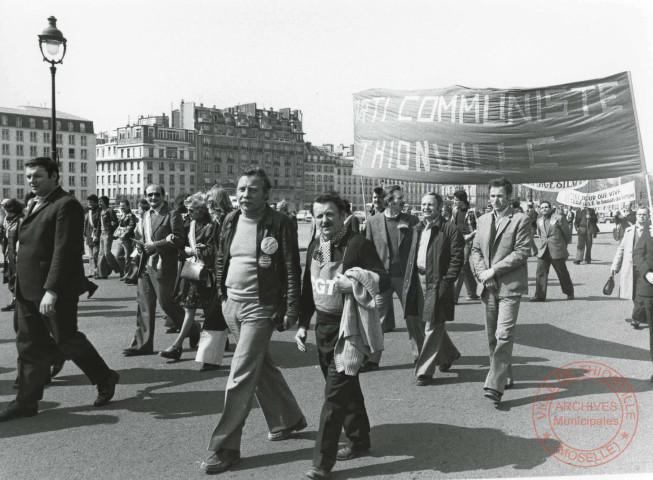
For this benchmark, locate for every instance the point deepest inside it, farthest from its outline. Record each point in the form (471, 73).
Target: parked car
(605, 218)
(304, 216)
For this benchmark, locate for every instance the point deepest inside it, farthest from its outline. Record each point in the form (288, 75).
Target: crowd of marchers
(241, 268)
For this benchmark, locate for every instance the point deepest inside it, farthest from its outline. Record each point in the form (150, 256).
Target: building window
(19, 135)
(71, 139)
(20, 193)
(149, 178)
(20, 151)
(84, 154)
(84, 181)
(59, 137)
(19, 122)
(71, 153)
(33, 137)
(182, 167)
(192, 167)
(230, 169)
(6, 164)
(46, 124)
(5, 192)
(6, 179)
(5, 134)
(46, 151)
(172, 179)
(82, 127)
(20, 180)
(83, 168)
(71, 167)
(5, 149)
(217, 168)
(150, 152)
(83, 141)
(71, 181)
(182, 179)
(149, 165)
(19, 165)
(5, 122)
(71, 127)
(162, 166)
(171, 166)
(46, 137)
(33, 151)
(32, 123)
(162, 178)
(192, 180)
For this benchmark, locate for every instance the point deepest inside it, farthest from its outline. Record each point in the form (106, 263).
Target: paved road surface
(159, 423)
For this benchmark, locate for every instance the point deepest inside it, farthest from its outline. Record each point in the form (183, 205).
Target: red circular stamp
(585, 414)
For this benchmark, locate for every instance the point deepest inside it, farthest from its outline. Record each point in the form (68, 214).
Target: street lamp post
(53, 54)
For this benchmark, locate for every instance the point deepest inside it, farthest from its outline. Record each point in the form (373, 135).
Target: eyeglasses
(154, 194)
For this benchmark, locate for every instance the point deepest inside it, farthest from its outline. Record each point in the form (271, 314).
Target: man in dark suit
(91, 229)
(587, 228)
(643, 264)
(49, 280)
(162, 231)
(554, 235)
(391, 233)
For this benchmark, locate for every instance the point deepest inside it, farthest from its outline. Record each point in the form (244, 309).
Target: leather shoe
(172, 352)
(92, 288)
(423, 380)
(106, 389)
(570, 297)
(17, 409)
(472, 297)
(493, 395)
(172, 330)
(130, 352)
(9, 308)
(576, 262)
(194, 336)
(209, 367)
(56, 367)
(285, 433)
(535, 299)
(317, 473)
(214, 464)
(350, 452)
(509, 384)
(446, 366)
(368, 367)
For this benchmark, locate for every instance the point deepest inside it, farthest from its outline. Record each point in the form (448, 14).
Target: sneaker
(424, 380)
(215, 464)
(317, 473)
(287, 432)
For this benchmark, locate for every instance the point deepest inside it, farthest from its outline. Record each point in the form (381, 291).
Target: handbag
(193, 269)
(609, 286)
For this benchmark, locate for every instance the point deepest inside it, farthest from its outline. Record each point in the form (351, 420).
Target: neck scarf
(324, 251)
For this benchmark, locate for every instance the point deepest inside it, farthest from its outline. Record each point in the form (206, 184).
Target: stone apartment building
(150, 151)
(25, 133)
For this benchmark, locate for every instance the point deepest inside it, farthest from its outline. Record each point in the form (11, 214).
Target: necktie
(493, 230)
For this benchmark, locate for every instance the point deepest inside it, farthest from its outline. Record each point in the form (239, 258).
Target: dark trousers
(542, 275)
(639, 312)
(150, 288)
(466, 276)
(344, 405)
(213, 316)
(37, 338)
(648, 307)
(585, 241)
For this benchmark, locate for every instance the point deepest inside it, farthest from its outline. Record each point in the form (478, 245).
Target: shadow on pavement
(51, 419)
(464, 327)
(553, 338)
(429, 446)
(100, 313)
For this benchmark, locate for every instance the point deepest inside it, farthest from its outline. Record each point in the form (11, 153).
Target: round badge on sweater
(269, 245)
(265, 261)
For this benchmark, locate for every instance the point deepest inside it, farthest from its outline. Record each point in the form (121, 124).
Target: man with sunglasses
(162, 234)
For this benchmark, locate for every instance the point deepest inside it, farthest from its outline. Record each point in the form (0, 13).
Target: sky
(131, 58)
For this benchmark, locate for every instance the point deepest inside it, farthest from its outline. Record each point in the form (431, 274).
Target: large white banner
(621, 194)
(556, 186)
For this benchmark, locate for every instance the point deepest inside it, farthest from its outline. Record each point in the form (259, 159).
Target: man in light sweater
(258, 275)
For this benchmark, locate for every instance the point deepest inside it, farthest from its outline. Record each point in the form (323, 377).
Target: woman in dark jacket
(194, 294)
(214, 341)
